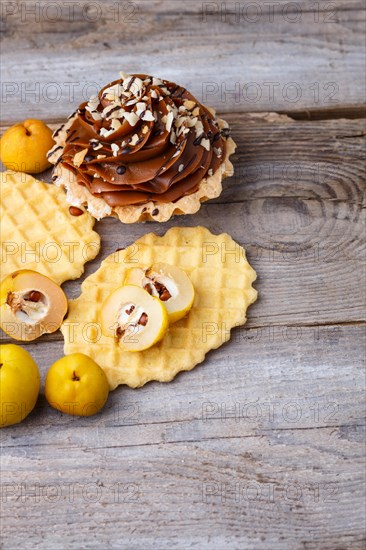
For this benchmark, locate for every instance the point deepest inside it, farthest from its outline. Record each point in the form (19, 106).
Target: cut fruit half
(30, 305)
(133, 318)
(167, 282)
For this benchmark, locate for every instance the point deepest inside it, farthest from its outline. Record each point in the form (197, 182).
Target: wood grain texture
(285, 58)
(296, 203)
(272, 459)
(262, 446)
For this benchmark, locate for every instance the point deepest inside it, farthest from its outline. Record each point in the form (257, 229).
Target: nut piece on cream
(169, 283)
(133, 318)
(30, 305)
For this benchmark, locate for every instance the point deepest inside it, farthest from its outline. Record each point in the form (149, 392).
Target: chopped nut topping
(113, 93)
(110, 109)
(115, 149)
(180, 121)
(137, 86)
(115, 124)
(95, 144)
(140, 112)
(131, 118)
(148, 116)
(169, 121)
(118, 114)
(128, 81)
(93, 103)
(79, 157)
(206, 144)
(132, 102)
(199, 128)
(189, 104)
(105, 133)
(135, 139)
(192, 122)
(144, 105)
(95, 115)
(156, 82)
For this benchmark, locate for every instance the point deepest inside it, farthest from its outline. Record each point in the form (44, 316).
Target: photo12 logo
(50, 252)
(267, 11)
(272, 412)
(48, 92)
(90, 492)
(240, 92)
(69, 11)
(272, 492)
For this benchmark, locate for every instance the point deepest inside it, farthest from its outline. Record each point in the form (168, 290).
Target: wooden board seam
(305, 116)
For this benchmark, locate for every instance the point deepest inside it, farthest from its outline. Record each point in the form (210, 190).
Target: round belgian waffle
(38, 231)
(222, 278)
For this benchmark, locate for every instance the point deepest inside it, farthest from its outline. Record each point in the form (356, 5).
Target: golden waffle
(222, 279)
(39, 233)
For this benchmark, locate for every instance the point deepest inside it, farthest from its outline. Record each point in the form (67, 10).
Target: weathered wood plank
(296, 204)
(324, 365)
(231, 493)
(15, 15)
(72, 20)
(259, 448)
(282, 62)
(262, 446)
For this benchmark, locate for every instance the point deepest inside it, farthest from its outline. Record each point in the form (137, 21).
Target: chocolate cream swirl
(143, 139)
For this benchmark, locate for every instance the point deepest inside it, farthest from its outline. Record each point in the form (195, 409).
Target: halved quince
(167, 282)
(30, 305)
(133, 318)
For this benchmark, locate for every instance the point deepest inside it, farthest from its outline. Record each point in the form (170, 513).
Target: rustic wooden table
(262, 446)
